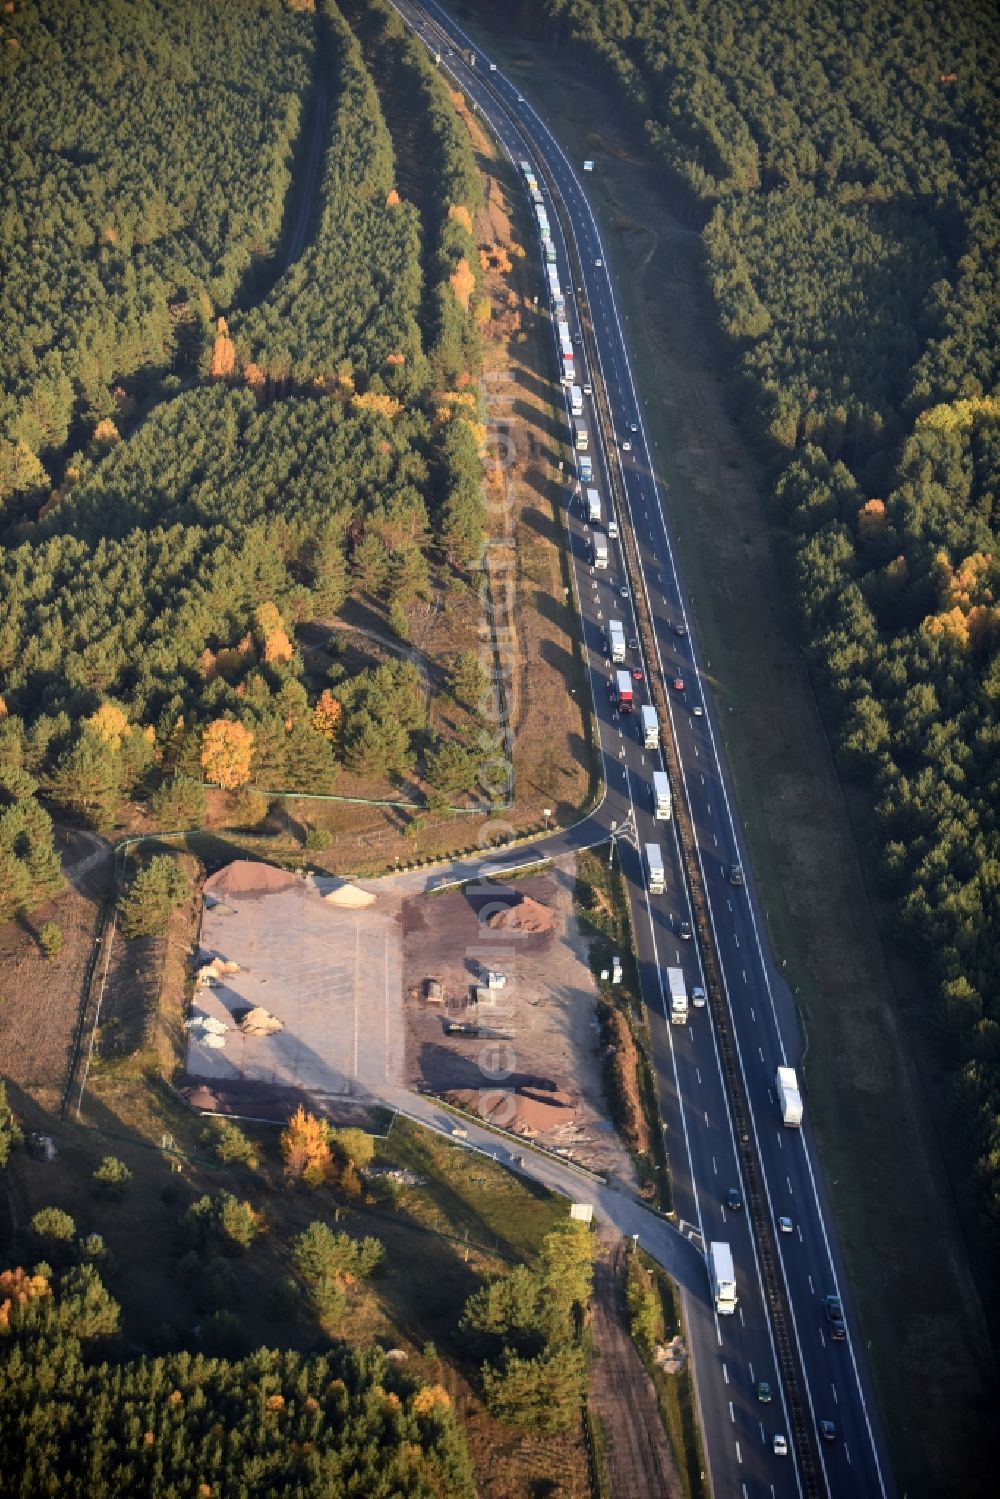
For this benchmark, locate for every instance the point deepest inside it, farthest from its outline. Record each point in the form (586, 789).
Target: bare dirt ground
(894, 1207)
(41, 999)
(534, 1064)
(638, 1455)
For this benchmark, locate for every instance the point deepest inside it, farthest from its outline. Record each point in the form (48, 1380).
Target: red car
(637, 673)
(678, 684)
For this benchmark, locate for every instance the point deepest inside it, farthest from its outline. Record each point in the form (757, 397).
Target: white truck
(599, 549)
(568, 374)
(678, 996)
(581, 436)
(616, 640)
(656, 877)
(594, 506)
(789, 1097)
(576, 400)
(650, 727)
(661, 796)
(722, 1276)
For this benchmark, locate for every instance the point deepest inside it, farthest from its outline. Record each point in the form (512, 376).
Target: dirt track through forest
(637, 1455)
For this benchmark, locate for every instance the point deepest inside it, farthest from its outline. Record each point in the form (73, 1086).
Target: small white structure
(588, 166)
(582, 1212)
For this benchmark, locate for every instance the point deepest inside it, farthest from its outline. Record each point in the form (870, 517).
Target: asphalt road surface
(730, 1355)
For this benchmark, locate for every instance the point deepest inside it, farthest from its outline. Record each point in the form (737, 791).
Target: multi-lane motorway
(730, 1355)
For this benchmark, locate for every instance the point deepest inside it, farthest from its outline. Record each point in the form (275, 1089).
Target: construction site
(500, 1010)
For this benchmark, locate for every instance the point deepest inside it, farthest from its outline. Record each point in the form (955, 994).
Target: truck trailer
(594, 506)
(576, 400)
(789, 1097)
(650, 727)
(616, 640)
(678, 996)
(623, 689)
(599, 549)
(656, 878)
(722, 1276)
(661, 796)
(581, 436)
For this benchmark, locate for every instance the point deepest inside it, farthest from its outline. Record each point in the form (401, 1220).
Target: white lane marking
(732, 1413)
(812, 1288)
(834, 1389)
(725, 1373)
(753, 1017)
(750, 1372)
(714, 1166)
(739, 1459)
(697, 1073)
(789, 1181)
(706, 1116)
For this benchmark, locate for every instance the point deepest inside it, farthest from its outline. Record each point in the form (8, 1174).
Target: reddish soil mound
(530, 1113)
(246, 878)
(526, 916)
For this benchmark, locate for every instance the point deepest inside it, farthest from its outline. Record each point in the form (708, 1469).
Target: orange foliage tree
(326, 715)
(305, 1149)
(463, 282)
(226, 753)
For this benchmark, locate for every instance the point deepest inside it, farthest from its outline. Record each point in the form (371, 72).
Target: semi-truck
(789, 1097)
(594, 506)
(582, 436)
(722, 1277)
(623, 691)
(568, 372)
(599, 549)
(661, 796)
(678, 996)
(576, 400)
(616, 639)
(650, 727)
(656, 878)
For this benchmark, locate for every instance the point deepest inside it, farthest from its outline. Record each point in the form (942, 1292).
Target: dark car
(835, 1318)
(684, 931)
(733, 1199)
(735, 874)
(828, 1431)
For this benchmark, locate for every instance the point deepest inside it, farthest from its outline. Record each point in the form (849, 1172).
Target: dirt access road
(638, 1456)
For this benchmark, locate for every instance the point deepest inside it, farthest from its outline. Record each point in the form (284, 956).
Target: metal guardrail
(774, 1291)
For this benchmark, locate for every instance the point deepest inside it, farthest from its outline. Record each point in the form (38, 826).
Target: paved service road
(730, 1355)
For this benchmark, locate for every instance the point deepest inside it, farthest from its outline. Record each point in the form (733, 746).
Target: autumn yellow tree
(463, 282)
(223, 352)
(305, 1149)
(111, 724)
(326, 715)
(226, 753)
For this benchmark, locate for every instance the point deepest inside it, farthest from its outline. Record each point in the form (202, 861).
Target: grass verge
(630, 1080)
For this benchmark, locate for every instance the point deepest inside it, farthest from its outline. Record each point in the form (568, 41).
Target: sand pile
(260, 1022)
(245, 879)
(350, 896)
(526, 916)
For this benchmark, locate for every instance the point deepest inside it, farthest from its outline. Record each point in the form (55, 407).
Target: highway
(730, 1355)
